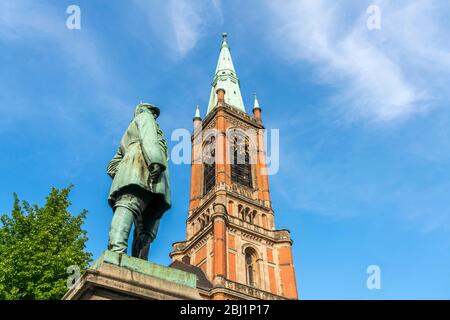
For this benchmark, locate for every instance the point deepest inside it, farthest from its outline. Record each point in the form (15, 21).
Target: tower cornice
(229, 110)
(272, 236)
(231, 195)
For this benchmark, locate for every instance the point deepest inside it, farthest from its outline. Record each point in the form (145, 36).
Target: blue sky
(363, 116)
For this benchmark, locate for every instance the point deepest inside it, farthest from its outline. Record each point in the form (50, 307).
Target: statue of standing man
(140, 191)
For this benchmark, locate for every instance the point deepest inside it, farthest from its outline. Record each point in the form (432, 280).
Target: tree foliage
(38, 244)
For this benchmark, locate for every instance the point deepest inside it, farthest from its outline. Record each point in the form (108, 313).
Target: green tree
(38, 244)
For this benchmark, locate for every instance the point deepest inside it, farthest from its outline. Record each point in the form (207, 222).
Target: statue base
(120, 277)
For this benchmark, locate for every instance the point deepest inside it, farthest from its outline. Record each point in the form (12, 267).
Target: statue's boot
(147, 241)
(120, 229)
(137, 237)
(141, 245)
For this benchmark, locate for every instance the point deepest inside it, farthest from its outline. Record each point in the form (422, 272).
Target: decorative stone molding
(179, 246)
(244, 191)
(282, 235)
(251, 291)
(219, 211)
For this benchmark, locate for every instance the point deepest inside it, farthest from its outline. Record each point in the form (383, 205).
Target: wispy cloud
(30, 22)
(378, 74)
(340, 172)
(39, 28)
(180, 24)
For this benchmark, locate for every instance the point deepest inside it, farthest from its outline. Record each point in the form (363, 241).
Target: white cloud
(379, 74)
(40, 25)
(180, 24)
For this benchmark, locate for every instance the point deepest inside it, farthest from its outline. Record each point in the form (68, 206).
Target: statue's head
(147, 106)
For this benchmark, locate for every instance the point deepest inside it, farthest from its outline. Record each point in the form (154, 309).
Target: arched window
(253, 217)
(201, 224)
(209, 164)
(241, 168)
(248, 215)
(241, 212)
(251, 267)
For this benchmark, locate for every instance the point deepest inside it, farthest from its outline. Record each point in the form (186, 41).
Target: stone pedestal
(120, 277)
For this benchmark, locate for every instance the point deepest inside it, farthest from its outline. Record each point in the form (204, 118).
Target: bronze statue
(140, 191)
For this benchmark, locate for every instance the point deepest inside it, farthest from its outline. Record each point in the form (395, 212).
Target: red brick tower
(231, 231)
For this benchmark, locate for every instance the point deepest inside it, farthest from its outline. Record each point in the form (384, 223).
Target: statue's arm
(151, 149)
(114, 163)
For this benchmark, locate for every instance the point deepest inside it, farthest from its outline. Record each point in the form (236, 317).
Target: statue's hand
(155, 171)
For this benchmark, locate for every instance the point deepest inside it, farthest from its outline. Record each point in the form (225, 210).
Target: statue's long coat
(142, 145)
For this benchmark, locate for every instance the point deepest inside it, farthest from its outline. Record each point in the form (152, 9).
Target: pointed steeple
(256, 109)
(256, 103)
(197, 113)
(197, 118)
(226, 78)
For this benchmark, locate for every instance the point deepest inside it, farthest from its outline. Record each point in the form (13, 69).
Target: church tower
(231, 233)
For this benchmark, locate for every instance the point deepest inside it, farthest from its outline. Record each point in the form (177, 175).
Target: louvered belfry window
(241, 168)
(209, 164)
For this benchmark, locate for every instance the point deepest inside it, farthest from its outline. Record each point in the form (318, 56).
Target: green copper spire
(226, 78)
(197, 113)
(256, 103)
